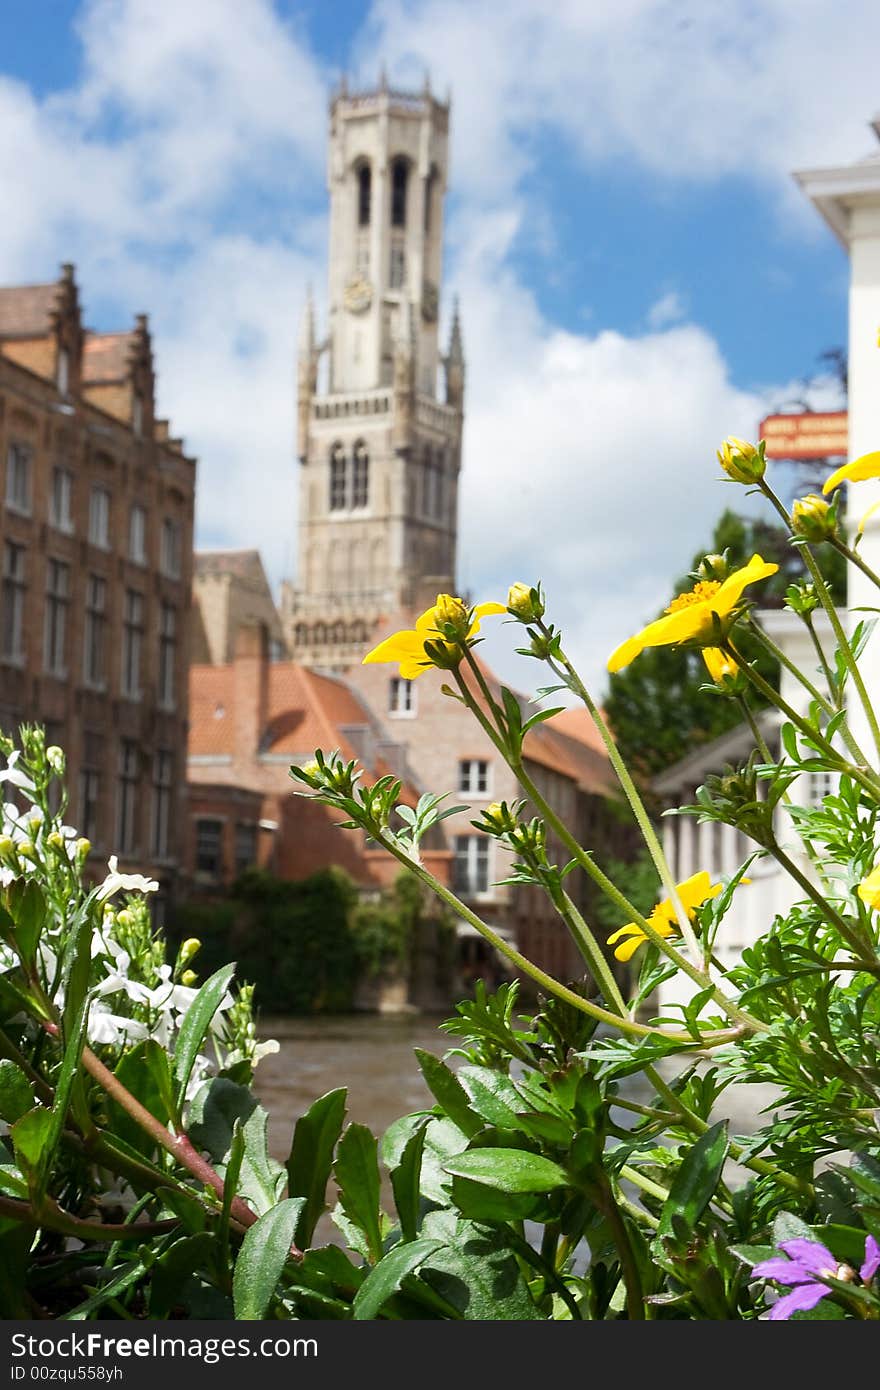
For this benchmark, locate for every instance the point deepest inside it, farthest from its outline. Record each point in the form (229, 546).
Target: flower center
(700, 593)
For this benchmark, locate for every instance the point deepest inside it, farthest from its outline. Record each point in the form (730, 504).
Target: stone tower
(380, 447)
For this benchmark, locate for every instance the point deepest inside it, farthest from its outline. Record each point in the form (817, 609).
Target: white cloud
(669, 308)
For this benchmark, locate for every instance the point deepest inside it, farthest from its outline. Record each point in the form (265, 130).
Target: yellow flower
(859, 471)
(741, 461)
(691, 617)
(408, 647)
(695, 891)
(720, 666)
(869, 888)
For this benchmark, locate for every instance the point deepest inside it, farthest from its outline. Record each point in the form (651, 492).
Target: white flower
(15, 778)
(135, 883)
(107, 1027)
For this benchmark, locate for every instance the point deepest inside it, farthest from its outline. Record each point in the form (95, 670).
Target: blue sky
(638, 273)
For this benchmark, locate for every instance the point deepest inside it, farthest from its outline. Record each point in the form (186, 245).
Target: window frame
(55, 623)
(475, 853)
(137, 554)
(469, 773)
(61, 516)
(402, 709)
(95, 633)
(13, 601)
(19, 477)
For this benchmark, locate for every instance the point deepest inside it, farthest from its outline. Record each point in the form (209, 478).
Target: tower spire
(454, 361)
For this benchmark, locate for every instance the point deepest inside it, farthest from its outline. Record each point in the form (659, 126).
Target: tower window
(361, 475)
(397, 269)
(401, 697)
(430, 185)
(399, 181)
(365, 183)
(338, 479)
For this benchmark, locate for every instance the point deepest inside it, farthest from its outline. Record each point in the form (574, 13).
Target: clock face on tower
(358, 295)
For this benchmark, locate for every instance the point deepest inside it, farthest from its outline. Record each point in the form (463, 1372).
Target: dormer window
(399, 181)
(62, 371)
(365, 190)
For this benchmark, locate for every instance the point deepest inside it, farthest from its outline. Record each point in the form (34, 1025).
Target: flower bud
(188, 978)
(525, 603)
(499, 816)
(83, 849)
(713, 567)
(813, 518)
(188, 949)
(125, 918)
(56, 759)
(7, 852)
(721, 667)
(802, 598)
(741, 461)
(26, 850)
(451, 616)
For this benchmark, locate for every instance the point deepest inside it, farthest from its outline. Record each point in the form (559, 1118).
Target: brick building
(96, 542)
(251, 718)
(230, 589)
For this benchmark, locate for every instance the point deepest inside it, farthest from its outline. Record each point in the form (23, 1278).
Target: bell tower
(379, 443)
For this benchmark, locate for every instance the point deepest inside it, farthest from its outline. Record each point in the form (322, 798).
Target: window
(473, 776)
(338, 479)
(60, 496)
(361, 475)
(471, 868)
(137, 535)
(163, 767)
(132, 643)
(430, 185)
(399, 180)
(169, 553)
(18, 478)
(137, 414)
(365, 182)
(126, 827)
(57, 603)
(245, 846)
(62, 371)
(818, 785)
(99, 518)
(94, 658)
(209, 840)
(401, 696)
(167, 654)
(12, 616)
(397, 269)
(90, 786)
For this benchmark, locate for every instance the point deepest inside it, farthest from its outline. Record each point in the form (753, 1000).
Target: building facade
(96, 542)
(379, 443)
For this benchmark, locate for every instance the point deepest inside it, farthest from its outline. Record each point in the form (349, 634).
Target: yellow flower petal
(729, 594)
(869, 888)
(864, 467)
(868, 514)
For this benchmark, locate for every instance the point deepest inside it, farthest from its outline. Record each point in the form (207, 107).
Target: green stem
(603, 1195)
(851, 554)
(592, 869)
(823, 661)
(51, 1217)
(836, 625)
(865, 779)
(645, 1184)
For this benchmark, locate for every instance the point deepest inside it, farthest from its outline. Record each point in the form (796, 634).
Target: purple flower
(807, 1264)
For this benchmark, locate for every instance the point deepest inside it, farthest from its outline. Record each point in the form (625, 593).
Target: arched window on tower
(430, 189)
(399, 182)
(338, 479)
(365, 190)
(361, 475)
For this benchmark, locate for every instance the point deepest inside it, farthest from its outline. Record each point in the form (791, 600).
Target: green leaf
(212, 1117)
(27, 908)
(476, 1271)
(16, 1096)
(311, 1159)
(753, 1254)
(405, 1179)
(30, 1135)
(264, 1252)
(196, 1024)
(787, 1226)
(696, 1180)
(493, 1095)
(448, 1091)
(175, 1267)
(357, 1173)
(388, 1275)
(540, 717)
(148, 1078)
(509, 1170)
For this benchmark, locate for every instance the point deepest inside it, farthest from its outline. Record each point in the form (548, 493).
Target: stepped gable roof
(26, 311)
(243, 564)
(107, 357)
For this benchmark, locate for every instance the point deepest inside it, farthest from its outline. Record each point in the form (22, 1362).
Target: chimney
(251, 691)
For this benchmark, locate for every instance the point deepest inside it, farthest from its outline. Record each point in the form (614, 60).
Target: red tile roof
(26, 310)
(107, 357)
